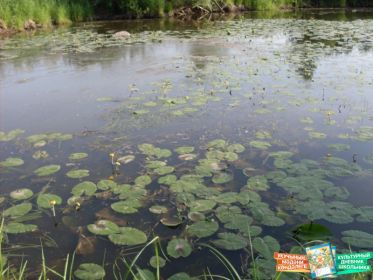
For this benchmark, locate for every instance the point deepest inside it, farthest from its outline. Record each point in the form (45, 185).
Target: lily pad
(181, 276)
(203, 228)
(179, 248)
(12, 162)
(123, 207)
(167, 180)
(47, 170)
(171, 221)
(164, 170)
(18, 210)
(230, 241)
(196, 216)
(143, 180)
(184, 150)
(261, 145)
(103, 227)
(89, 271)
(222, 178)
(15, 228)
(128, 236)
(202, 205)
(47, 200)
(358, 238)
(236, 148)
(78, 156)
(78, 173)
(84, 188)
(107, 185)
(158, 209)
(21, 194)
(126, 159)
(309, 232)
(266, 246)
(157, 262)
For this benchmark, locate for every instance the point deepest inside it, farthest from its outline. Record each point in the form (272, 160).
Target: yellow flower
(52, 202)
(112, 154)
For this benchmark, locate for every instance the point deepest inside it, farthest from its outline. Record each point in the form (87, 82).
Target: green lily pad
(171, 221)
(18, 210)
(222, 178)
(5, 137)
(107, 185)
(123, 207)
(78, 173)
(179, 248)
(217, 144)
(47, 200)
(21, 194)
(164, 170)
(196, 216)
(236, 148)
(230, 241)
(103, 227)
(128, 236)
(12, 162)
(258, 183)
(261, 145)
(40, 155)
(36, 138)
(143, 180)
(126, 159)
(84, 188)
(158, 209)
(203, 228)
(89, 271)
(167, 180)
(309, 232)
(14, 228)
(47, 170)
(316, 135)
(144, 274)
(358, 238)
(202, 205)
(266, 246)
(157, 262)
(78, 156)
(184, 150)
(181, 276)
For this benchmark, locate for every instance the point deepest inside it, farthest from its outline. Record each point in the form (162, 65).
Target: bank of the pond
(32, 14)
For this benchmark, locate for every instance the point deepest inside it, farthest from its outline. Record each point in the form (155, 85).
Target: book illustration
(321, 260)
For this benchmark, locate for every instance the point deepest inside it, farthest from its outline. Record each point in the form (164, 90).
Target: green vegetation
(45, 13)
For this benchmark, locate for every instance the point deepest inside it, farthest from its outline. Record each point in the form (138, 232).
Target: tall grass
(44, 12)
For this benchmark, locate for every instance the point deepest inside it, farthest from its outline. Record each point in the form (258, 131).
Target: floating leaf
(222, 178)
(103, 227)
(84, 188)
(143, 180)
(21, 194)
(358, 238)
(47, 200)
(123, 207)
(202, 205)
(18, 210)
(230, 241)
(158, 209)
(196, 216)
(12, 162)
(89, 271)
(78, 173)
(107, 185)
(181, 276)
(316, 135)
(203, 228)
(312, 231)
(157, 262)
(171, 221)
(15, 228)
(126, 159)
(261, 145)
(184, 150)
(236, 148)
(78, 156)
(179, 248)
(47, 170)
(167, 180)
(164, 170)
(128, 236)
(266, 246)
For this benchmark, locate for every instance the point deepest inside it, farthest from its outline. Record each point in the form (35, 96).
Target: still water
(230, 132)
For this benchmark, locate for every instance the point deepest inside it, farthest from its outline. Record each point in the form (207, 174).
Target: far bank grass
(14, 13)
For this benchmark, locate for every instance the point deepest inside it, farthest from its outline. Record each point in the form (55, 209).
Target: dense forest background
(16, 13)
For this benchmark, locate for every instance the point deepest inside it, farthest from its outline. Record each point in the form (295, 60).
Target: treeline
(29, 14)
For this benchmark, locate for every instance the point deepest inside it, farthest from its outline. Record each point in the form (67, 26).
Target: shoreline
(184, 13)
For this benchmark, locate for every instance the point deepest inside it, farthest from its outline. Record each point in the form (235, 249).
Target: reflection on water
(289, 97)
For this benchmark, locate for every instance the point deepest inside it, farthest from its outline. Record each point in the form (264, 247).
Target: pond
(232, 132)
